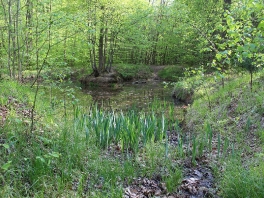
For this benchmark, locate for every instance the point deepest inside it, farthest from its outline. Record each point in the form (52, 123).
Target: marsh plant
(127, 129)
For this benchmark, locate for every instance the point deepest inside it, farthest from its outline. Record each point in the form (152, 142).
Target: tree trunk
(153, 60)
(164, 55)
(13, 48)
(19, 60)
(29, 40)
(101, 50)
(9, 38)
(105, 46)
(65, 46)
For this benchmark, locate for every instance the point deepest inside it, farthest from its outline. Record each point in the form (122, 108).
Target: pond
(130, 94)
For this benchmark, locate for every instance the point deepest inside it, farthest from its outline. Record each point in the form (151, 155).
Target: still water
(129, 95)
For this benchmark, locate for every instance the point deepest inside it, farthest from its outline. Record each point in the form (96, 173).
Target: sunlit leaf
(6, 166)
(261, 25)
(6, 146)
(219, 56)
(40, 158)
(55, 154)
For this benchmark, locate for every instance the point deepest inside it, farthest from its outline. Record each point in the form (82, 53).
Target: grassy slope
(237, 115)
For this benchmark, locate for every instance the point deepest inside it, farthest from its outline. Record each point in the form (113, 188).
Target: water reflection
(129, 95)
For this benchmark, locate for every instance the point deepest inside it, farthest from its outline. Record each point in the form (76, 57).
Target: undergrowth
(236, 119)
(171, 73)
(239, 181)
(76, 150)
(83, 152)
(132, 71)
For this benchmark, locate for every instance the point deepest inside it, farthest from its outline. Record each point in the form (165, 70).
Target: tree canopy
(100, 33)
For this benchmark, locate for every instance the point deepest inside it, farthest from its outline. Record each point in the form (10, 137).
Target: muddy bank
(105, 79)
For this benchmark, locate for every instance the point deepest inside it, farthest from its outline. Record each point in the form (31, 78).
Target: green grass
(94, 152)
(239, 181)
(231, 106)
(231, 123)
(173, 179)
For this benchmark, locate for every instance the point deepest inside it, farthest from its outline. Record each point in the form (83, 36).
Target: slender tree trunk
(9, 38)
(29, 40)
(19, 61)
(43, 62)
(6, 17)
(154, 52)
(226, 7)
(111, 51)
(14, 48)
(65, 46)
(105, 47)
(164, 55)
(91, 22)
(251, 80)
(101, 49)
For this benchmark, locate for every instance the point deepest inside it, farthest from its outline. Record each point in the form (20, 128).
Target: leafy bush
(185, 88)
(129, 71)
(183, 91)
(171, 73)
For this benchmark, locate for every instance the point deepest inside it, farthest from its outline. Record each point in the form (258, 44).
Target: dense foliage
(97, 34)
(55, 142)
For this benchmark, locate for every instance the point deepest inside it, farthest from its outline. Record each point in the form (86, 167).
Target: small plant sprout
(219, 144)
(201, 146)
(248, 124)
(194, 145)
(226, 145)
(209, 133)
(166, 147)
(180, 146)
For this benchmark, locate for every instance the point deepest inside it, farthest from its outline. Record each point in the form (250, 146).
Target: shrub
(129, 71)
(171, 73)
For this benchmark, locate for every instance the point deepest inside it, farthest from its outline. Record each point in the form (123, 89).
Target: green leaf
(6, 146)
(218, 56)
(252, 46)
(240, 48)
(207, 49)
(261, 25)
(40, 158)
(245, 54)
(55, 154)
(6, 165)
(18, 120)
(45, 140)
